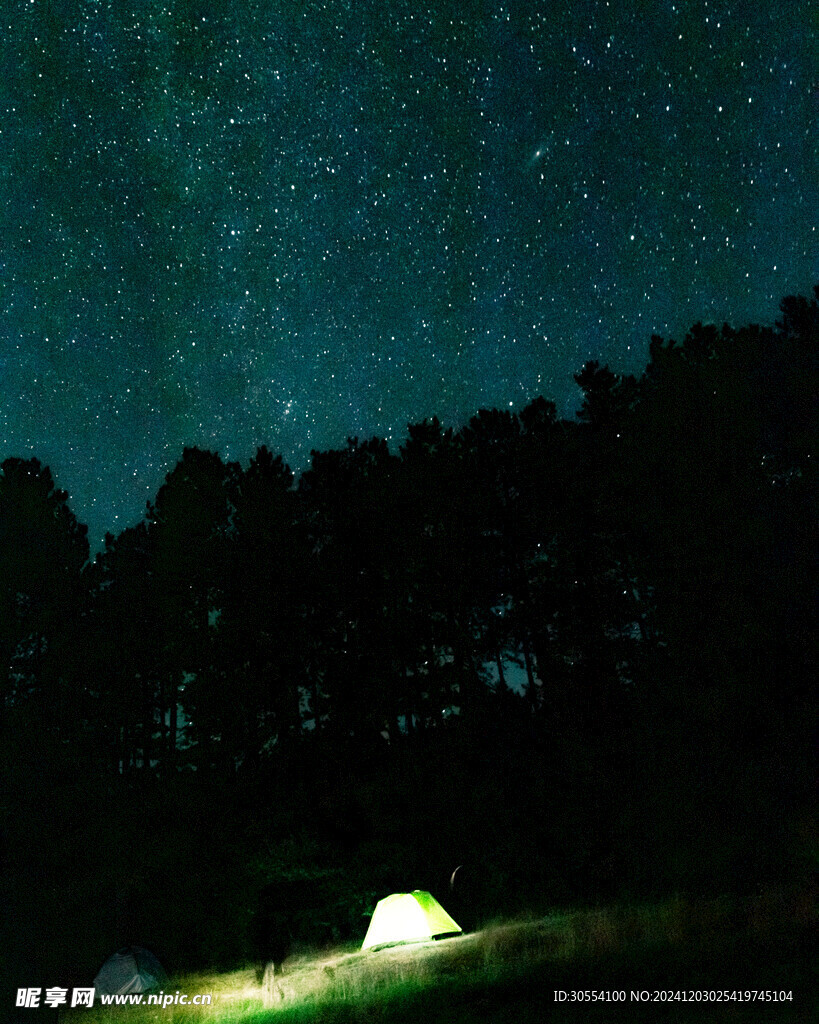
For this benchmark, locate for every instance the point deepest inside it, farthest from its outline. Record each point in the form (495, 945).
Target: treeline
(645, 575)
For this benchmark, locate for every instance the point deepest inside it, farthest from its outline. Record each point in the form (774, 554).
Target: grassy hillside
(510, 972)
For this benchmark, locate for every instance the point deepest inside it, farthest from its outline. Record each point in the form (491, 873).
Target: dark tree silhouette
(42, 551)
(188, 528)
(120, 636)
(326, 666)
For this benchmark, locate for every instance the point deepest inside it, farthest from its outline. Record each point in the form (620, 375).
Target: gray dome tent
(131, 969)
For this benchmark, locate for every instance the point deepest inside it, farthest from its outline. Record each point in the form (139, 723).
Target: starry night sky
(258, 221)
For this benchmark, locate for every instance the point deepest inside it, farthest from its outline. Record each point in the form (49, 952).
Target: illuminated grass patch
(510, 957)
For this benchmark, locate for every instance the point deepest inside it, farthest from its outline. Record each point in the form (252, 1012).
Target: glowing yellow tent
(408, 917)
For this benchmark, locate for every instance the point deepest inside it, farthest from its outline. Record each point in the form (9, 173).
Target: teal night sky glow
(236, 222)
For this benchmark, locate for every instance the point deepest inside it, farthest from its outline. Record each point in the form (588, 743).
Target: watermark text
(55, 997)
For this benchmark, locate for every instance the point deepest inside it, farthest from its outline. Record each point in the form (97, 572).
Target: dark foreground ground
(787, 969)
(720, 960)
(667, 980)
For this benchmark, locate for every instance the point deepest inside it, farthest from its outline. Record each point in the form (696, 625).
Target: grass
(510, 970)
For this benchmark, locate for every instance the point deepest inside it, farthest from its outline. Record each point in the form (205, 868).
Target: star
(390, 220)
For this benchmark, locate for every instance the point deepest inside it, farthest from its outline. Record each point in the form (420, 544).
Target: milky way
(246, 222)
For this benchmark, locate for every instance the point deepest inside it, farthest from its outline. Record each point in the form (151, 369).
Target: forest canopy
(582, 646)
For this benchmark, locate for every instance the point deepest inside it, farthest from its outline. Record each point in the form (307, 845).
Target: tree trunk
(531, 692)
(172, 706)
(499, 663)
